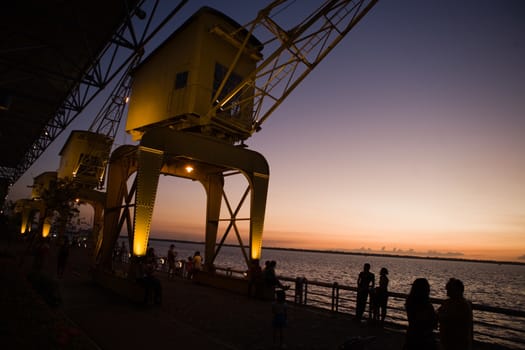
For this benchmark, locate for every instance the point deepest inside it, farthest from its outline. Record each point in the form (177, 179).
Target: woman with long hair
(422, 318)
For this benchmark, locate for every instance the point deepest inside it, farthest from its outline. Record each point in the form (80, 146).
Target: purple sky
(409, 135)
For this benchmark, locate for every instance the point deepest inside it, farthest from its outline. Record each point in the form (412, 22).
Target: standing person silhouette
(455, 318)
(172, 255)
(255, 276)
(41, 254)
(365, 282)
(381, 296)
(270, 277)
(153, 287)
(280, 317)
(63, 254)
(197, 262)
(422, 319)
(188, 268)
(123, 252)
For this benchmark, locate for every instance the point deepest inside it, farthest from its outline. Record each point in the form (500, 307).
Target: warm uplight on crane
(46, 227)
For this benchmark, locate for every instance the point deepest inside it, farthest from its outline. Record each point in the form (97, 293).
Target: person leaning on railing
(270, 278)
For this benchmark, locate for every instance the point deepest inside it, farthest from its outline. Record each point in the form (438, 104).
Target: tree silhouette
(61, 197)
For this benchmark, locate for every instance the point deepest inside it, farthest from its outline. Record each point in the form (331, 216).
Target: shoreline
(327, 251)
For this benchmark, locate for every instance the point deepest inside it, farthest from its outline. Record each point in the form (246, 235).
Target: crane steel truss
(294, 53)
(142, 23)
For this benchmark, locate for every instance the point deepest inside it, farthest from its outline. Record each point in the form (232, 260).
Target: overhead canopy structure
(55, 56)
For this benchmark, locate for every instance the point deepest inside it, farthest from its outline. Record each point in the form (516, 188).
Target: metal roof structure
(55, 57)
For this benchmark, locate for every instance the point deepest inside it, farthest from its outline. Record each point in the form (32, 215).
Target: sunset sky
(409, 135)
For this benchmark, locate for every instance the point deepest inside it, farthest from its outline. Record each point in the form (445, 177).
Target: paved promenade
(191, 316)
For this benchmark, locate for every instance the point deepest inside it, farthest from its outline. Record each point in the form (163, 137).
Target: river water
(499, 285)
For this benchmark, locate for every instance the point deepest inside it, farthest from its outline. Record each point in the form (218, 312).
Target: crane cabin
(83, 158)
(191, 82)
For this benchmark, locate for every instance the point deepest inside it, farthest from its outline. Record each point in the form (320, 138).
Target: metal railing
(495, 325)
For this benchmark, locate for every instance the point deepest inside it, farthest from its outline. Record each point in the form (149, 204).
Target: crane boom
(294, 53)
(109, 117)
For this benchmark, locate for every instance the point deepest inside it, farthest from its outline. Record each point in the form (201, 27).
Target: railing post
(298, 290)
(335, 297)
(305, 287)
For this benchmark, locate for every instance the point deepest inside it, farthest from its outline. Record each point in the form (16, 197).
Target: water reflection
(485, 283)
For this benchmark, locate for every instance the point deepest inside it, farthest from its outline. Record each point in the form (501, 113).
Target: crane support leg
(97, 200)
(259, 184)
(26, 212)
(214, 187)
(150, 162)
(117, 210)
(97, 228)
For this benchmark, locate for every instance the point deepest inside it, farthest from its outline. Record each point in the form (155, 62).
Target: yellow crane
(194, 102)
(85, 153)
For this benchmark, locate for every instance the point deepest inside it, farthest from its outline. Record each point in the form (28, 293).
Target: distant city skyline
(409, 135)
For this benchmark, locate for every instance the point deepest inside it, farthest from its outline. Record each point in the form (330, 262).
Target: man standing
(365, 282)
(172, 255)
(455, 318)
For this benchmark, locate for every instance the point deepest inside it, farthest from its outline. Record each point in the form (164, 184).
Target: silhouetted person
(41, 252)
(188, 268)
(123, 252)
(455, 318)
(365, 282)
(422, 318)
(266, 265)
(254, 278)
(270, 277)
(280, 317)
(197, 262)
(62, 256)
(381, 296)
(151, 282)
(172, 255)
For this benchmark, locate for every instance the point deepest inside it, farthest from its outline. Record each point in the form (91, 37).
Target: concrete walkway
(197, 316)
(191, 316)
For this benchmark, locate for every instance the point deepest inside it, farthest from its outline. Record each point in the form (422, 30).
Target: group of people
(454, 317)
(41, 252)
(192, 265)
(150, 264)
(153, 287)
(378, 294)
(263, 278)
(187, 268)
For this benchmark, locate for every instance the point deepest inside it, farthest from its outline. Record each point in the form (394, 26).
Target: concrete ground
(191, 316)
